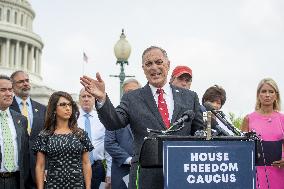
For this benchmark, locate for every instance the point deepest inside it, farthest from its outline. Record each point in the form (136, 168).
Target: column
(31, 61)
(12, 55)
(3, 48)
(25, 56)
(36, 60)
(39, 63)
(7, 55)
(17, 55)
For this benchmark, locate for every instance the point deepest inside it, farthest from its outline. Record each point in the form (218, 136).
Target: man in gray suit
(119, 145)
(155, 106)
(35, 113)
(14, 153)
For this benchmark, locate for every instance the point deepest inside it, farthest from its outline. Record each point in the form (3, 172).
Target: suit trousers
(12, 182)
(145, 176)
(119, 172)
(98, 174)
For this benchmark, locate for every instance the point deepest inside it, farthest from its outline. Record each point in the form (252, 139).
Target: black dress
(64, 158)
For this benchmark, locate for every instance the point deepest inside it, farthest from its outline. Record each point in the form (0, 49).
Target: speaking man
(155, 106)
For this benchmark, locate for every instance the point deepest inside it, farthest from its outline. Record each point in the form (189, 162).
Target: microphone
(186, 117)
(220, 116)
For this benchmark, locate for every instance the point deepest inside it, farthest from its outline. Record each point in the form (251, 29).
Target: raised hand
(95, 87)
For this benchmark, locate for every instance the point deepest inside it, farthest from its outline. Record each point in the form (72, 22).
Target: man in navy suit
(156, 106)
(14, 141)
(35, 113)
(119, 145)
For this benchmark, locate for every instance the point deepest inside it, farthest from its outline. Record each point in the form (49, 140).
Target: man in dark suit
(35, 112)
(14, 141)
(119, 145)
(154, 106)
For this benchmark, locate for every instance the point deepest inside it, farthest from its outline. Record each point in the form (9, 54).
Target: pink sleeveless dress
(270, 128)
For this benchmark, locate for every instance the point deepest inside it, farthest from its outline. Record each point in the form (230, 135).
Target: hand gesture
(96, 87)
(278, 164)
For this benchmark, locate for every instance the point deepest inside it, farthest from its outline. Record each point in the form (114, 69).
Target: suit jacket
(21, 123)
(37, 126)
(138, 108)
(119, 145)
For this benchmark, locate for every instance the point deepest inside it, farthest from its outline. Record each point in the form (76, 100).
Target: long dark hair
(50, 116)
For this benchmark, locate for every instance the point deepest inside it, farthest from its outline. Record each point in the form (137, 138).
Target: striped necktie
(89, 131)
(25, 112)
(9, 161)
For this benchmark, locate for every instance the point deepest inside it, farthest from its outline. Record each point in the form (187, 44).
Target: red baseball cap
(179, 70)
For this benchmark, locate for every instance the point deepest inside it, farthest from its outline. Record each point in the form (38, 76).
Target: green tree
(237, 121)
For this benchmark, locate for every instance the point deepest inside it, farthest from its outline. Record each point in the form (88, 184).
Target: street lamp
(122, 50)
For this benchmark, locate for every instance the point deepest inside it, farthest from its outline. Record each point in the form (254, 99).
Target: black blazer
(21, 123)
(37, 126)
(138, 108)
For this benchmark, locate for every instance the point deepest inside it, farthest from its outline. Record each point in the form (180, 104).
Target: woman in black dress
(64, 146)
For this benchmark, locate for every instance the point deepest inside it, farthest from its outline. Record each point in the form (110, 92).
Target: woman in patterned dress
(268, 123)
(63, 147)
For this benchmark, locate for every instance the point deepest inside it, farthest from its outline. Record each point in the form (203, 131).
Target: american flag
(85, 57)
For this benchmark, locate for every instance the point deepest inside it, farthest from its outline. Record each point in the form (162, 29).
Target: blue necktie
(89, 131)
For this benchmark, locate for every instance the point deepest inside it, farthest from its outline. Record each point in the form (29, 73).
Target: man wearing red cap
(181, 77)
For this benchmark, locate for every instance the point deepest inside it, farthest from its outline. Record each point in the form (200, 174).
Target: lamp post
(122, 50)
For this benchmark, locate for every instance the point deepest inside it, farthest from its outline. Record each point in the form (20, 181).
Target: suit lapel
(14, 106)
(130, 131)
(177, 96)
(147, 95)
(18, 125)
(35, 116)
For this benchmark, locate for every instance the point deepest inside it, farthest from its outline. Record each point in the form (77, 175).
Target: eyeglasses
(23, 81)
(65, 104)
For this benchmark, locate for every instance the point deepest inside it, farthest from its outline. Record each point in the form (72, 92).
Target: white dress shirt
(30, 108)
(14, 138)
(97, 139)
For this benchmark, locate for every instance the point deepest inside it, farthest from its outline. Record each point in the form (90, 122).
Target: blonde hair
(272, 83)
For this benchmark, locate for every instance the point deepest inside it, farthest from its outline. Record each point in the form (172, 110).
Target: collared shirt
(14, 138)
(168, 96)
(98, 136)
(30, 108)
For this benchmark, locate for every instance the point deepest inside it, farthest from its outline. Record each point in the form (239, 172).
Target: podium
(197, 163)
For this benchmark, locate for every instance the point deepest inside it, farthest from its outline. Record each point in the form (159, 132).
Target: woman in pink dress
(268, 123)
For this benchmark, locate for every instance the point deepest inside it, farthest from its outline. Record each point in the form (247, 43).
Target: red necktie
(162, 106)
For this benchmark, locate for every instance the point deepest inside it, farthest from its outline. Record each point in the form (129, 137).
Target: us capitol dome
(20, 47)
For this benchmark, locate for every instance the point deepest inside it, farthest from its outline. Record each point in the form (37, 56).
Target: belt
(8, 174)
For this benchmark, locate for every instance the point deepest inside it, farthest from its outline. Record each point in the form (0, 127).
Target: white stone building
(20, 47)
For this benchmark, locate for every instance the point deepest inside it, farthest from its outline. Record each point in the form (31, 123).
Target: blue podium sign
(209, 164)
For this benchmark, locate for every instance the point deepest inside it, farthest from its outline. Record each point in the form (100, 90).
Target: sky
(231, 43)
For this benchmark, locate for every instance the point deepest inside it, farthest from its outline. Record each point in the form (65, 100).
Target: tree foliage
(237, 121)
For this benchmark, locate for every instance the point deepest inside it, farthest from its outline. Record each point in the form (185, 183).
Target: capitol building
(20, 47)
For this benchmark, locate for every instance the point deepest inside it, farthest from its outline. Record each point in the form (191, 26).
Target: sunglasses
(65, 104)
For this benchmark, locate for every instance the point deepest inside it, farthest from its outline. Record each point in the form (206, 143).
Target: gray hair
(155, 47)
(131, 80)
(5, 77)
(13, 75)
